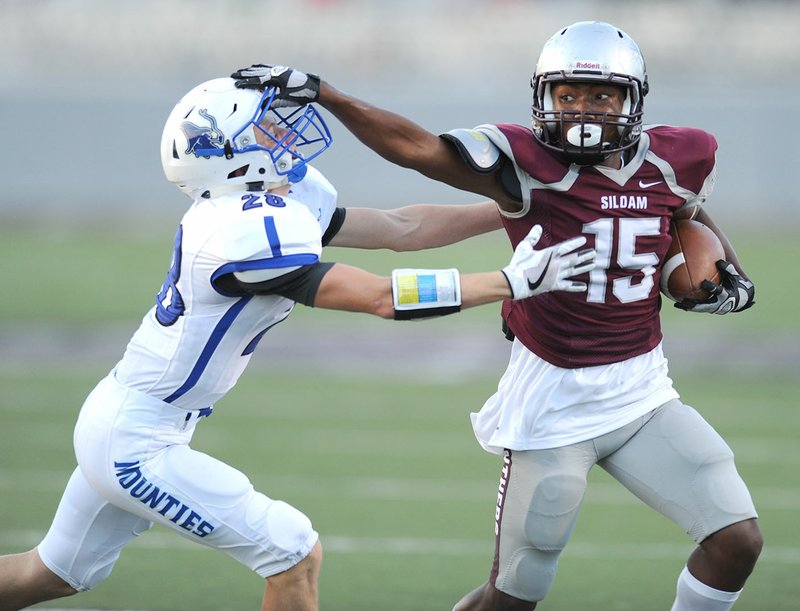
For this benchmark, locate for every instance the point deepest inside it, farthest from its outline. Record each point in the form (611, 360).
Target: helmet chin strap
(297, 173)
(585, 159)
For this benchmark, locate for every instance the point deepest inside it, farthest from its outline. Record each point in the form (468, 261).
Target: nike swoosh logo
(535, 285)
(645, 185)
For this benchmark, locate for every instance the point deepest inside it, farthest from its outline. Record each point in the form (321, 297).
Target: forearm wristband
(425, 293)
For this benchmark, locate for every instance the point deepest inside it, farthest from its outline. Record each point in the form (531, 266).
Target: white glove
(533, 272)
(733, 293)
(295, 88)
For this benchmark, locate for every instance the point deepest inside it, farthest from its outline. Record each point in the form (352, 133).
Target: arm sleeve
(337, 220)
(300, 285)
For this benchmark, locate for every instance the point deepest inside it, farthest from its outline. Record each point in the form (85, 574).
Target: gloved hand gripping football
(533, 272)
(295, 88)
(733, 293)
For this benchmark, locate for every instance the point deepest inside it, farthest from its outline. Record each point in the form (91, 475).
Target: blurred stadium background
(87, 84)
(384, 461)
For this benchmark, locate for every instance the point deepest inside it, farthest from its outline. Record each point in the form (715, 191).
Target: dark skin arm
(407, 144)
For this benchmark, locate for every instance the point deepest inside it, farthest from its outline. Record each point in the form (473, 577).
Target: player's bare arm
(407, 144)
(417, 226)
(392, 136)
(349, 288)
(423, 293)
(530, 272)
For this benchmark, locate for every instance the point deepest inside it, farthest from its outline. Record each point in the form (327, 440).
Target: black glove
(295, 88)
(732, 294)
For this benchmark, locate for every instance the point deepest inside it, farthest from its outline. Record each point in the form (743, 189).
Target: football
(691, 258)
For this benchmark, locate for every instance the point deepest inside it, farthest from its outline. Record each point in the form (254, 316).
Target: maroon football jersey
(625, 216)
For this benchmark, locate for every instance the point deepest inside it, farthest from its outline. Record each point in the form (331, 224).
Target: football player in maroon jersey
(587, 382)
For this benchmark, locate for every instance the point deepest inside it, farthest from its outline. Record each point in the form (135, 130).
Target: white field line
(340, 544)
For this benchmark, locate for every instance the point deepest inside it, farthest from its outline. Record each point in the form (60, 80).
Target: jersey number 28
(169, 303)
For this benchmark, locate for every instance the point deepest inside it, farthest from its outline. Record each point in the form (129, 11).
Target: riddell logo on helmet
(588, 65)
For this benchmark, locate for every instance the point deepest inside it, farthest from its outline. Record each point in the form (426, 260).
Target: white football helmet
(219, 135)
(589, 52)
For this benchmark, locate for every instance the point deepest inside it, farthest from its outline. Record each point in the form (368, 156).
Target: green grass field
(386, 468)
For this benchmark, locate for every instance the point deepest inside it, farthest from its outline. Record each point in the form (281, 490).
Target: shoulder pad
(476, 149)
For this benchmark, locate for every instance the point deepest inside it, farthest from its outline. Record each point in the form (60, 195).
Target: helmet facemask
(289, 137)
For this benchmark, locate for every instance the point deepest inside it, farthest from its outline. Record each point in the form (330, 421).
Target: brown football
(691, 258)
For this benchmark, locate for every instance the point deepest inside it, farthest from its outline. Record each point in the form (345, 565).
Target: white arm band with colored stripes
(423, 293)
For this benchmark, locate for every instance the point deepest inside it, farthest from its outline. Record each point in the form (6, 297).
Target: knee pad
(285, 534)
(553, 511)
(529, 574)
(532, 540)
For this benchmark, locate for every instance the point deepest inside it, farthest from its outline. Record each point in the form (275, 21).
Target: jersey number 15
(622, 288)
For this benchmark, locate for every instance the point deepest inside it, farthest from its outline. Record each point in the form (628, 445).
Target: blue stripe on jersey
(208, 350)
(274, 263)
(272, 236)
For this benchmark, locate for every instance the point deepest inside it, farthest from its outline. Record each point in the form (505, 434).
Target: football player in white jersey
(248, 249)
(587, 382)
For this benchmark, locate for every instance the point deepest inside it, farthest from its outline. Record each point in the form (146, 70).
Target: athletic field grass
(380, 455)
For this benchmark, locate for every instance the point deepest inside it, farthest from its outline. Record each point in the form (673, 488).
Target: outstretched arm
(416, 293)
(392, 136)
(422, 293)
(353, 289)
(416, 227)
(407, 144)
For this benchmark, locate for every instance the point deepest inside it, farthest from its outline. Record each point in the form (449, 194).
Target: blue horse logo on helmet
(200, 138)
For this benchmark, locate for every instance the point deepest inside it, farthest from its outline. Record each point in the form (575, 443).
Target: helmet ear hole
(239, 171)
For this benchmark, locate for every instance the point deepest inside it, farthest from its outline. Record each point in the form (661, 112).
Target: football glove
(295, 88)
(533, 272)
(733, 293)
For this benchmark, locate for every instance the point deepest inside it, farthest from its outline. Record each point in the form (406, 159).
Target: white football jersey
(193, 345)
